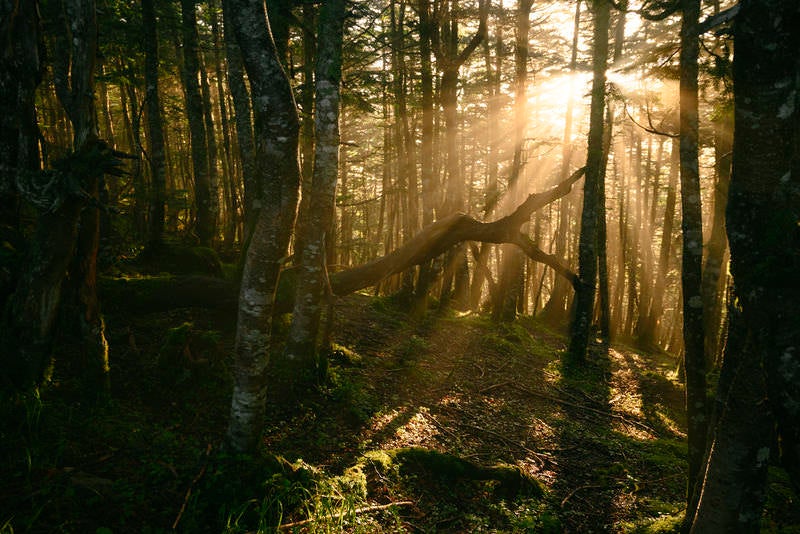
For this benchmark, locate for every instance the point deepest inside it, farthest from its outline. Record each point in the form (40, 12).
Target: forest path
(606, 438)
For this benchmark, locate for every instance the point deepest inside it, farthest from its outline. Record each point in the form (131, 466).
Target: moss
(343, 355)
(665, 524)
(415, 461)
(179, 259)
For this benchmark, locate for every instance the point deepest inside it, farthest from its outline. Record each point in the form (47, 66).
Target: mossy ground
(416, 413)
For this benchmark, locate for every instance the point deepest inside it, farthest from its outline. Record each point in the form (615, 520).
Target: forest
(400, 266)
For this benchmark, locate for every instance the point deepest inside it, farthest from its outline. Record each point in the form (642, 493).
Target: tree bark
(277, 173)
(301, 346)
(692, 258)
(20, 74)
(762, 215)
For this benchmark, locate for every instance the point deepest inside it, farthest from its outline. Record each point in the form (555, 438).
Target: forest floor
(450, 423)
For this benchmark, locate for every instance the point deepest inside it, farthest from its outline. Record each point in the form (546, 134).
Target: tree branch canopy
(438, 237)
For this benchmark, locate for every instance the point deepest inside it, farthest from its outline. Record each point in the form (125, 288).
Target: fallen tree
(437, 238)
(152, 295)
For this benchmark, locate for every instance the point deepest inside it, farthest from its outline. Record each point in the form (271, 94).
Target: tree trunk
(277, 173)
(427, 176)
(762, 215)
(585, 293)
(60, 248)
(301, 346)
(692, 230)
(244, 125)
(205, 224)
(155, 132)
(450, 60)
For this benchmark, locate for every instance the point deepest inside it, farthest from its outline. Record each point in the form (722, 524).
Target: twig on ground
(586, 408)
(573, 492)
(542, 458)
(191, 485)
(494, 386)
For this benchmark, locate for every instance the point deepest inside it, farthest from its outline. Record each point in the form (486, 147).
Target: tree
(312, 280)
(155, 131)
(509, 288)
(277, 175)
(206, 218)
(19, 76)
(585, 292)
(59, 274)
(759, 380)
(692, 257)
(243, 120)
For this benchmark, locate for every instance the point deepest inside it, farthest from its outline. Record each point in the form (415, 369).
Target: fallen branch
(357, 511)
(542, 459)
(573, 492)
(189, 489)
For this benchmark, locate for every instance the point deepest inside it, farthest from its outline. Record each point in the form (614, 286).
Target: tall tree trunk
(155, 131)
(211, 143)
(585, 293)
(306, 131)
(301, 346)
(653, 320)
(427, 175)
(205, 223)
(81, 309)
(692, 229)
(228, 175)
(602, 231)
(762, 215)
(277, 173)
(244, 125)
